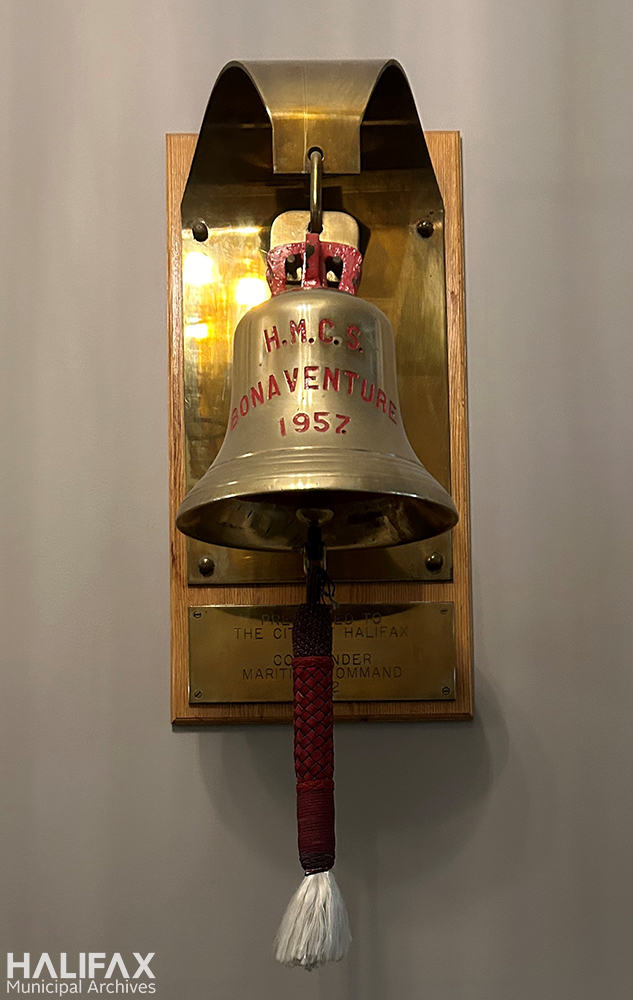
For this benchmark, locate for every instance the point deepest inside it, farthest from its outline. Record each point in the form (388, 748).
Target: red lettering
(292, 382)
(234, 418)
(308, 378)
(363, 390)
(353, 334)
(392, 412)
(257, 394)
(298, 328)
(272, 339)
(331, 379)
(273, 388)
(244, 405)
(381, 400)
(321, 423)
(351, 378)
(301, 422)
(322, 326)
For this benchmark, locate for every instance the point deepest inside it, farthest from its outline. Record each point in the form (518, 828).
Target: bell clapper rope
(315, 928)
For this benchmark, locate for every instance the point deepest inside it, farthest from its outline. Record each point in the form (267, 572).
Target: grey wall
(486, 860)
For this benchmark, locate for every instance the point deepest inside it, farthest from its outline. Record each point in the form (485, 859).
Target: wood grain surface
(445, 151)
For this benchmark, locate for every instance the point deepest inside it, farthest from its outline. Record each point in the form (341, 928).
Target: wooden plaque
(445, 152)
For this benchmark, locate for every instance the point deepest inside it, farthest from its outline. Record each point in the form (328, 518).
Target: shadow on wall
(409, 797)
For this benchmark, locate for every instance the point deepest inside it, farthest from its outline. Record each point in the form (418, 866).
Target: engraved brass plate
(382, 652)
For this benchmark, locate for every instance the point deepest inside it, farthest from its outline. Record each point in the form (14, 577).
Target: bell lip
(392, 476)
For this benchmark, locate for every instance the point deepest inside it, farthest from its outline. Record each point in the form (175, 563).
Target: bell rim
(392, 476)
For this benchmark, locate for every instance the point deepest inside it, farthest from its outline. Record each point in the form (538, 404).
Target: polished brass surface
(338, 227)
(309, 104)
(230, 187)
(382, 652)
(315, 422)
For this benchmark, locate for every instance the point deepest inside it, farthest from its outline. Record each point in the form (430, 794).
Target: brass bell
(315, 431)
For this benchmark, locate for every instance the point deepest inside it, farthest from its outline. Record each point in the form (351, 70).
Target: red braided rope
(314, 732)
(314, 761)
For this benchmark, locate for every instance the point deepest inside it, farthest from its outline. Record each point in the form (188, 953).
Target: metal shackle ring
(315, 157)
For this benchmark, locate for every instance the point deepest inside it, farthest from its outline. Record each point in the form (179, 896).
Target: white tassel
(315, 929)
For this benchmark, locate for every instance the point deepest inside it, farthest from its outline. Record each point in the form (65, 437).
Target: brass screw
(446, 690)
(424, 228)
(197, 614)
(199, 231)
(206, 566)
(434, 562)
(197, 694)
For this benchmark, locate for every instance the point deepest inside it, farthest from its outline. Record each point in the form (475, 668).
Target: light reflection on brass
(222, 279)
(382, 652)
